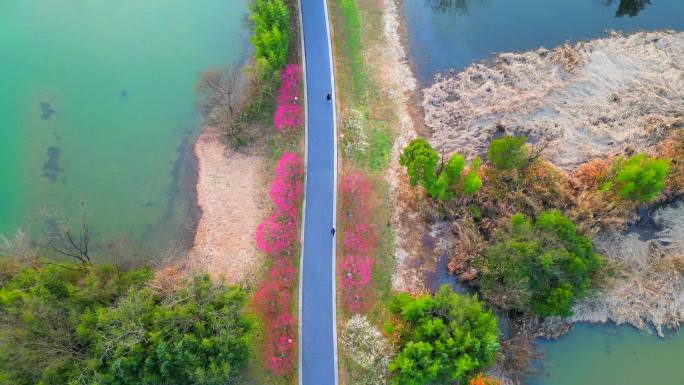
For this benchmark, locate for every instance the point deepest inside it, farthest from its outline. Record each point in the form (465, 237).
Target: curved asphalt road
(317, 340)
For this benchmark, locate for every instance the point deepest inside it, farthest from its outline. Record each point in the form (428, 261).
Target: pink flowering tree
(359, 241)
(354, 191)
(280, 349)
(271, 300)
(287, 186)
(276, 236)
(355, 276)
(289, 115)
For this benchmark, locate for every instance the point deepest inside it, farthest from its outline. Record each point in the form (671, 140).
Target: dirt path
(230, 191)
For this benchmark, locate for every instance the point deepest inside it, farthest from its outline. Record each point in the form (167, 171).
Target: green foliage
(40, 310)
(450, 175)
(508, 152)
(380, 149)
(271, 37)
(350, 28)
(195, 336)
(639, 178)
(444, 339)
(472, 181)
(104, 326)
(475, 212)
(421, 161)
(541, 267)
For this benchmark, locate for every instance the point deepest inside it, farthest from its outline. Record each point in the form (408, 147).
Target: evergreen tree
(639, 178)
(443, 339)
(508, 152)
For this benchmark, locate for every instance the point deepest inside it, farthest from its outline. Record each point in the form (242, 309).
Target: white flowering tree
(367, 350)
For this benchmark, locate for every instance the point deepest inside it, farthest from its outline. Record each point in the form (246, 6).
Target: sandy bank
(411, 250)
(229, 187)
(589, 99)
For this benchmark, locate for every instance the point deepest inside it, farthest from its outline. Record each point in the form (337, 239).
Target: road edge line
(334, 212)
(303, 226)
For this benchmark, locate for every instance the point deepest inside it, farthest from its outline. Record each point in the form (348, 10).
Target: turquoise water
(446, 34)
(96, 105)
(605, 355)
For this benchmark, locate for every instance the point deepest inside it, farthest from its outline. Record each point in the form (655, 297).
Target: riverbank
(420, 244)
(232, 200)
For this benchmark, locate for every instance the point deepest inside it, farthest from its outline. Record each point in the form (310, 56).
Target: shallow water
(452, 34)
(96, 104)
(606, 355)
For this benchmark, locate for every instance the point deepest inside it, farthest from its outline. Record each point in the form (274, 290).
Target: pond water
(97, 106)
(452, 34)
(591, 355)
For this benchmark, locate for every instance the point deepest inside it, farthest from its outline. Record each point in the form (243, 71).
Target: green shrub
(40, 311)
(443, 339)
(421, 161)
(197, 335)
(541, 267)
(100, 325)
(639, 178)
(271, 37)
(508, 152)
(472, 181)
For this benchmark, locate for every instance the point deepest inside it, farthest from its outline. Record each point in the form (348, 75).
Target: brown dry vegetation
(588, 100)
(230, 193)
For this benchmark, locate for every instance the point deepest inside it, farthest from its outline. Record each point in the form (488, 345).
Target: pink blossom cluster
(289, 115)
(355, 267)
(277, 236)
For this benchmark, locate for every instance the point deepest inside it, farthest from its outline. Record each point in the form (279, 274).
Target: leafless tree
(64, 240)
(224, 96)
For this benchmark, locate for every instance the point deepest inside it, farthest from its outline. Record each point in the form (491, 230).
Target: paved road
(318, 359)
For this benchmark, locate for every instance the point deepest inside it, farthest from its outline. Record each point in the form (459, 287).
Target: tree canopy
(271, 38)
(639, 178)
(508, 152)
(541, 266)
(100, 325)
(439, 181)
(445, 338)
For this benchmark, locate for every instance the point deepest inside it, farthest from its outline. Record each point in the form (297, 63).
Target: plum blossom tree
(277, 236)
(289, 115)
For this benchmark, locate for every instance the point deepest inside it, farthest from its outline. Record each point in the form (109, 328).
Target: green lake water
(452, 34)
(97, 106)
